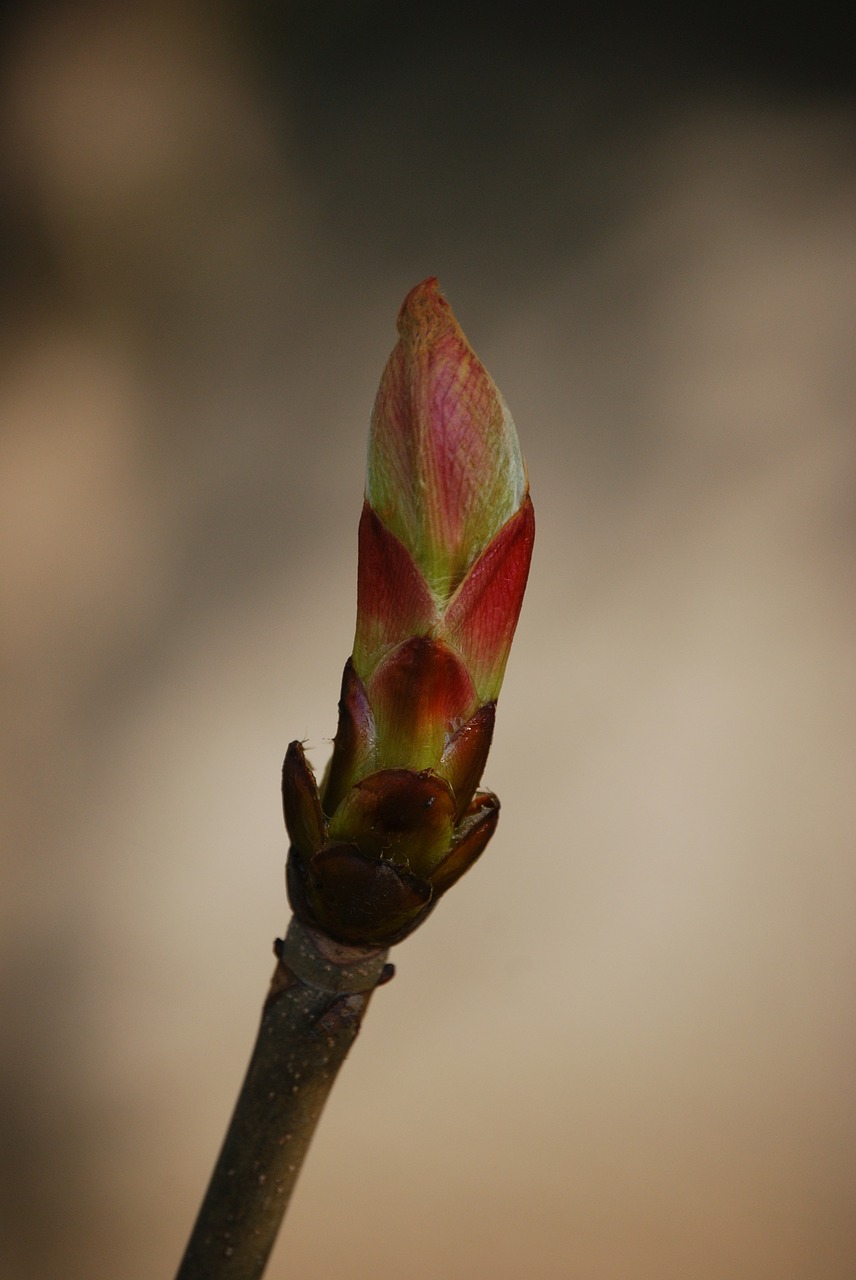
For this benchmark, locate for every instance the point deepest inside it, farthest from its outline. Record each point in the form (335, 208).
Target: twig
(319, 994)
(445, 541)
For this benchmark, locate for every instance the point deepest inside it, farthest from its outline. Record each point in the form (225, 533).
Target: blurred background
(623, 1049)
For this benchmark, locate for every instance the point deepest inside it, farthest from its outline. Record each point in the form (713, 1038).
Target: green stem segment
(319, 994)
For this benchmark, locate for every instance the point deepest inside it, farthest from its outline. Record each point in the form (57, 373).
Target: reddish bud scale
(444, 548)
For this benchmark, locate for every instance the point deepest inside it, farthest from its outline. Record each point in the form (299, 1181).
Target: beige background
(623, 1049)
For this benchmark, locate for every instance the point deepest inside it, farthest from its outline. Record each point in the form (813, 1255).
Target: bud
(445, 542)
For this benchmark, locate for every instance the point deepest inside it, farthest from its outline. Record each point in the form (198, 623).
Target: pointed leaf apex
(445, 471)
(425, 314)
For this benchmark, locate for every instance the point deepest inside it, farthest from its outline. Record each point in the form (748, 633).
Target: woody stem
(319, 993)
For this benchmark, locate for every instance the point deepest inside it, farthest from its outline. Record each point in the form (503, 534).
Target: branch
(319, 994)
(444, 547)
